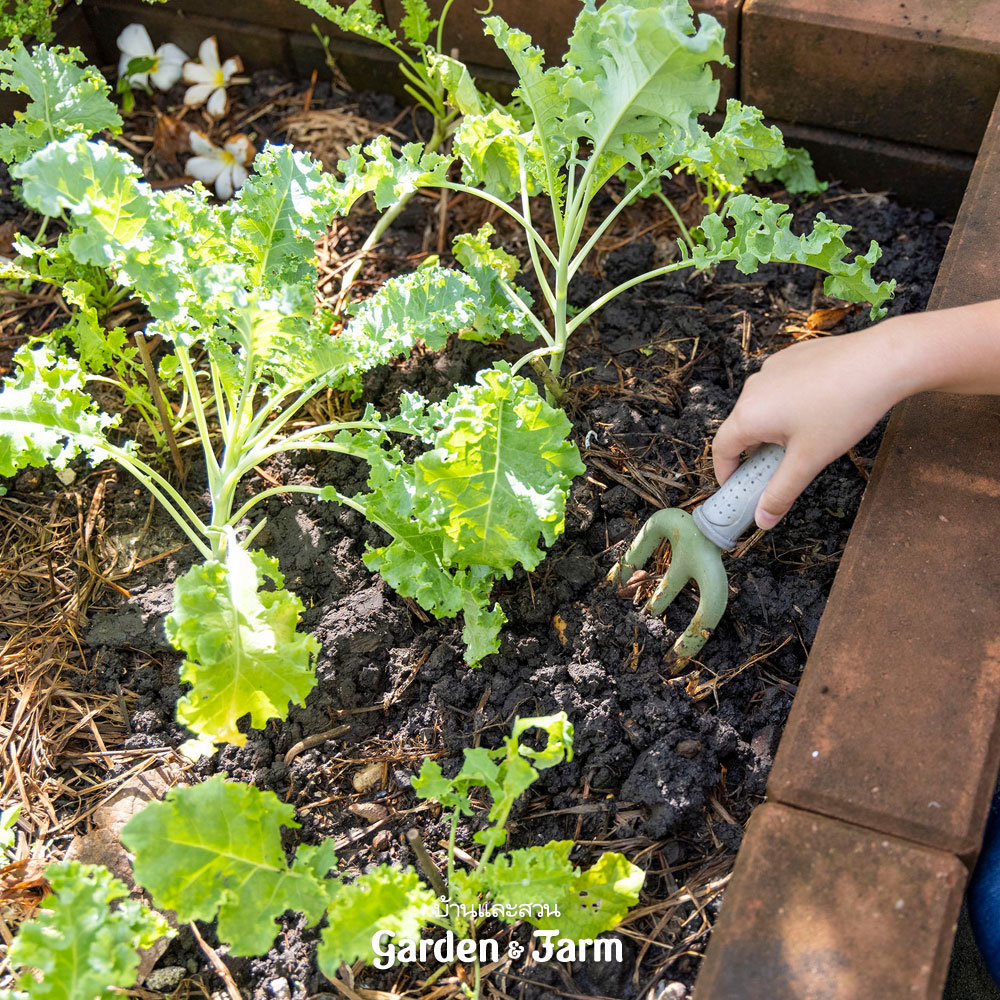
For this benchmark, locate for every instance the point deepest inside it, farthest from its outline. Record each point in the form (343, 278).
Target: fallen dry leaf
(827, 319)
(170, 137)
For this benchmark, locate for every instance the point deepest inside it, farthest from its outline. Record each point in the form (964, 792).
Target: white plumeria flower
(225, 166)
(209, 78)
(134, 43)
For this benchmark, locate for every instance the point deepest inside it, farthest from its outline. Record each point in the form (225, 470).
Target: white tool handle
(725, 515)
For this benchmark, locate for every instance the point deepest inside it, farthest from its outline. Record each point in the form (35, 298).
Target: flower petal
(204, 168)
(170, 53)
(216, 106)
(224, 184)
(239, 175)
(208, 53)
(198, 94)
(196, 73)
(165, 75)
(231, 67)
(241, 147)
(135, 41)
(202, 145)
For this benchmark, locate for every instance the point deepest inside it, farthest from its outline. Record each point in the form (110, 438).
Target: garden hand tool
(697, 541)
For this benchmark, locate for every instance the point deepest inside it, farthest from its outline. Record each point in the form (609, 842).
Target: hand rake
(697, 542)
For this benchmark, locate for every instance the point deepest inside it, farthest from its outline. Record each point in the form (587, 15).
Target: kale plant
(625, 100)
(215, 850)
(231, 289)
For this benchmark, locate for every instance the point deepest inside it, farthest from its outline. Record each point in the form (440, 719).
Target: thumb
(793, 475)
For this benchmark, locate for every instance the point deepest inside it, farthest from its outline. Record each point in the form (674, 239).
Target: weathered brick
(282, 15)
(896, 723)
(258, 47)
(916, 71)
(930, 178)
(823, 910)
(549, 26)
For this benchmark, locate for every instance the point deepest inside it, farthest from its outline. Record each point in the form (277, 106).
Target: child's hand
(818, 399)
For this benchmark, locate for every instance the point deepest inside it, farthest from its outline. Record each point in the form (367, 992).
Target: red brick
(549, 26)
(919, 71)
(258, 47)
(822, 910)
(929, 178)
(896, 724)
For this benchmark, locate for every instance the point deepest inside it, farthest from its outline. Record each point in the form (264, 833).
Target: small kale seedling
(430, 76)
(214, 850)
(82, 943)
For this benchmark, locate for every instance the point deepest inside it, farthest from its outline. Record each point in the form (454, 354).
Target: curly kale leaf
(360, 18)
(244, 654)
(278, 215)
(762, 233)
(214, 849)
(384, 899)
(46, 415)
(493, 483)
(639, 67)
(505, 773)
(84, 938)
(64, 99)
(588, 902)
(374, 169)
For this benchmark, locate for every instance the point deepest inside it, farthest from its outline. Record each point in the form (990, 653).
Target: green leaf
(46, 416)
(214, 849)
(417, 23)
(589, 902)
(64, 98)
(762, 233)
(491, 148)
(744, 145)
(8, 830)
(499, 473)
(475, 505)
(360, 18)
(243, 652)
(494, 271)
(384, 899)
(505, 773)
(456, 81)
(558, 744)
(278, 215)
(639, 66)
(428, 304)
(795, 170)
(545, 94)
(374, 169)
(99, 186)
(83, 947)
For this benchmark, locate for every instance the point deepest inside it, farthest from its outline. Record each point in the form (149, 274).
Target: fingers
(731, 440)
(794, 474)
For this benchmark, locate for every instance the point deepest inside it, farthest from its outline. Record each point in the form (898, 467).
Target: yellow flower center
(228, 159)
(220, 79)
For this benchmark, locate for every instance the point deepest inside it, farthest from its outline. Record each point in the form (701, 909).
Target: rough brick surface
(549, 26)
(257, 48)
(930, 178)
(896, 724)
(919, 71)
(823, 910)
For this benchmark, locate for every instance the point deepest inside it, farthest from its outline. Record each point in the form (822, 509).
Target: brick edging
(894, 733)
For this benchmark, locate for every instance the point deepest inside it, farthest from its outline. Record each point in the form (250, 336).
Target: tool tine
(713, 596)
(668, 588)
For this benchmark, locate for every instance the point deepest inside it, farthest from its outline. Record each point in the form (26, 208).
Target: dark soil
(667, 768)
